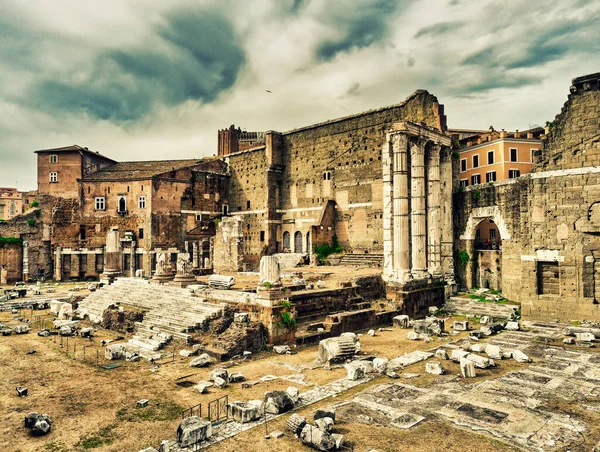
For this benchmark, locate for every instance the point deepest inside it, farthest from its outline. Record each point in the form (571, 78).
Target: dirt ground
(95, 408)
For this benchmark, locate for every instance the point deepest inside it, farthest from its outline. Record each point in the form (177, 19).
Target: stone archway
(298, 242)
(483, 236)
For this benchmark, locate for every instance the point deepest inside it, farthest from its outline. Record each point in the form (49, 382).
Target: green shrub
(31, 222)
(34, 204)
(267, 284)
(464, 257)
(460, 189)
(287, 319)
(10, 241)
(476, 195)
(455, 154)
(324, 251)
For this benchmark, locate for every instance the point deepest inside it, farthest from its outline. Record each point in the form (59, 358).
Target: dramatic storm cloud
(153, 79)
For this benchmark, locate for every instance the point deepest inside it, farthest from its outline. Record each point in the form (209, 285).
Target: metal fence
(217, 410)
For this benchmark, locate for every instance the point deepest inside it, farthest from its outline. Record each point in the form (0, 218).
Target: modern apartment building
(494, 156)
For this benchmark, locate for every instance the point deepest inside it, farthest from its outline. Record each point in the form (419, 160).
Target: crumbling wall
(123, 320)
(229, 245)
(551, 257)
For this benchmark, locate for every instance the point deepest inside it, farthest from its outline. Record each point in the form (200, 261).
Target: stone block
(512, 326)
(241, 317)
(293, 393)
(325, 424)
(355, 372)
(480, 361)
(413, 336)
(201, 361)
(316, 438)
(114, 351)
(324, 412)
(193, 430)
(434, 368)
(282, 349)
(202, 386)
(380, 364)
(277, 402)
(244, 412)
(236, 377)
(441, 353)
(582, 337)
(478, 348)
(457, 355)
(520, 357)
(467, 368)
(218, 373)
(484, 320)
(296, 423)
(493, 351)
(401, 321)
(371, 332)
(220, 382)
(461, 325)
(186, 353)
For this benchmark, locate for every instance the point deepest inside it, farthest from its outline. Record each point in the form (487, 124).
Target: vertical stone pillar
(195, 255)
(401, 242)
(25, 260)
(446, 211)
(434, 233)
(58, 264)
(113, 255)
(418, 212)
(132, 260)
(75, 264)
(388, 211)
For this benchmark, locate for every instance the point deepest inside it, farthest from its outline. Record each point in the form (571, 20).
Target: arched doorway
(487, 255)
(298, 242)
(286, 241)
(308, 247)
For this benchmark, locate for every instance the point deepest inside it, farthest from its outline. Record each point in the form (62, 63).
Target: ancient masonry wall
(549, 220)
(229, 245)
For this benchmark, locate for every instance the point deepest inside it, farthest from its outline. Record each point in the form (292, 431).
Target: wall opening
(548, 278)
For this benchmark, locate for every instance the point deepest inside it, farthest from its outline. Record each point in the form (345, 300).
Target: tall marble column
(388, 204)
(195, 255)
(401, 241)
(132, 260)
(446, 211)
(434, 235)
(418, 212)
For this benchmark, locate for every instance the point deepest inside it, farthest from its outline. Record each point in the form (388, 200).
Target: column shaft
(418, 212)
(401, 259)
(434, 233)
(388, 211)
(446, 211)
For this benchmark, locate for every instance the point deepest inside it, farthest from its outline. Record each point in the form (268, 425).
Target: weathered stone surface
(325, 412)
(246, 411)
(86, 332)
(493, 351)
(142, 403)
(201, 361)
(427, 327)
(220, 382)
(371, 333)
(457, 355)
(478, 348)
(355, 372)
(236, 377)
(480, 361)
(325, 424)
(583, 337)
(413, 336)
(22, 392)
(202, 386)
(569, 340)
(337, 349)
(114, 351)
(282, 349)
(241, 317)
(293, 393)
(434, 368)
(316, 438)
(193, 430)
(65, 312)
(401, 321)
(467, 368)
(296, 423)
(380, 364)
(520, 357)
(441, 353)
(484, 320)
(218, 373)
(461, 325)
(21, 329)
(277, 402)
(65, 331)
(38, 424)
(512, 326)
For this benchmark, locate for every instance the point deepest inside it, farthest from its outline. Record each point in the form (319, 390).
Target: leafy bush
(464, 257)
(267, 284)
(31, 222)
(10, 241)
(476, 195)
(325, 250)
(287, 319)
(455, 154)
(34, 204)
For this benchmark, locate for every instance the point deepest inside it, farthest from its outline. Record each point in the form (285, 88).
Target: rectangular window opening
(514, 155)
(490, 157)
(491, 176)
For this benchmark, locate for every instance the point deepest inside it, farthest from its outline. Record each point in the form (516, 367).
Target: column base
(183, 281)
(162, 279)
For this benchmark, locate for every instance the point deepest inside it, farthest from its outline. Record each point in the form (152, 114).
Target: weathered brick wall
(229, 245)
(11, 258)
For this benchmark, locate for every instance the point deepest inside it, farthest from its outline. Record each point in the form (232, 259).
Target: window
(533, 155)
(82, 231)
(248, 205)
(54, 159)
(54, 176)
(262, 236)
(463, 165)
(514, 155)
(140, 234)
(476, 161)
(142, 202)
(464, 183)
(100, 203)
(122, 204)
(492, 234)
(478, 234)
(475, 179)
(491, 176)
(225, 209)
(513, 173)
(198, 217)
(490, 157)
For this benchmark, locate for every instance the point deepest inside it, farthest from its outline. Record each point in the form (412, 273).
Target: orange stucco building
(494, 156)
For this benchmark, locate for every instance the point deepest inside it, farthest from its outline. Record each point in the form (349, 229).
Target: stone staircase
(169, 312)
(362, 260)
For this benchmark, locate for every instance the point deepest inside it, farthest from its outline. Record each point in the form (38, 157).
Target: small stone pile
(320, 435)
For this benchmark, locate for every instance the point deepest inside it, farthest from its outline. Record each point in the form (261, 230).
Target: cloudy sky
(155, 79)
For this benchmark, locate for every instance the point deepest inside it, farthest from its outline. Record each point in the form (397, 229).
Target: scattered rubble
(193, 430)
(38, 424)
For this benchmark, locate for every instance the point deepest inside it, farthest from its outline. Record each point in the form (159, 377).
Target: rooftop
(73, 148)
(123, 171)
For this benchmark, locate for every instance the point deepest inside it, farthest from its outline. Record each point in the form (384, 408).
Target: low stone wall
(416, 300)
